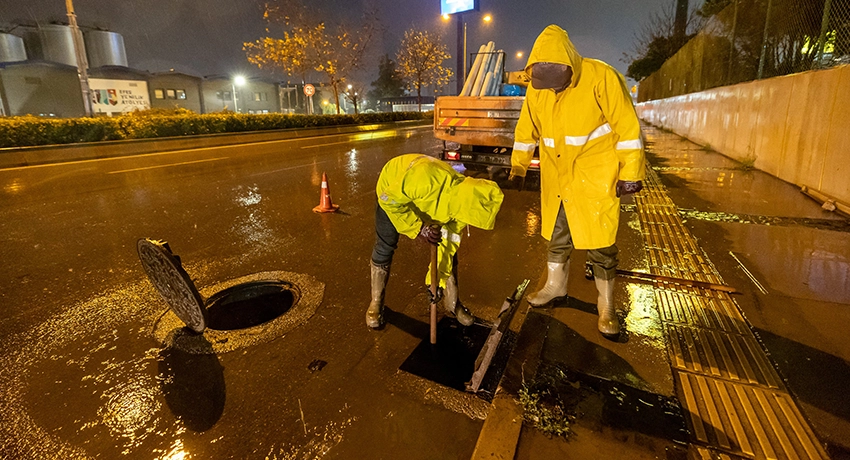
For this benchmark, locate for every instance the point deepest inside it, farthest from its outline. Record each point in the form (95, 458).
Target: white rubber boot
(450, 302)
(556, 284)
(375, 312)
(608, 323)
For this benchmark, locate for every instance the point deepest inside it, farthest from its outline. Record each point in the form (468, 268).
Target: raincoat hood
(554, 45)
(476, 202)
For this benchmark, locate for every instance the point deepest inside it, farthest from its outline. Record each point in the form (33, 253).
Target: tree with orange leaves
(308, 45)
(420, 61)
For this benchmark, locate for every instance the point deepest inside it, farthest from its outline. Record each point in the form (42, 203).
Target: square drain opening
(451, 362)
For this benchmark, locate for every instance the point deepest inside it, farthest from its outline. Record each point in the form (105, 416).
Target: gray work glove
(517, 182)
(431, 234)
(431, 298)
(625, 187)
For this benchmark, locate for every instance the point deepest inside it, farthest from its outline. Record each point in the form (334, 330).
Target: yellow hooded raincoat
(416, 188)
(589, 138)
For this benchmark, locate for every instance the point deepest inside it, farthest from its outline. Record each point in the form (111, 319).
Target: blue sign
(457, 6)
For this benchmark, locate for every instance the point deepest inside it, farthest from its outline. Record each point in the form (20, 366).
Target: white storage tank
(105, 48)
(12, 48)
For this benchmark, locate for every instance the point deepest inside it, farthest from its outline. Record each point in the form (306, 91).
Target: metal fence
(754, 39)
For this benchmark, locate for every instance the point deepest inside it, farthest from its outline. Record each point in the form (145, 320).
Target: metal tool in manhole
(236, 313)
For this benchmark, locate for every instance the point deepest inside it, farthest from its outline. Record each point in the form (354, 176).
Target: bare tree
(420, 61)
(659, 39)
(309, 45)
(354, 94)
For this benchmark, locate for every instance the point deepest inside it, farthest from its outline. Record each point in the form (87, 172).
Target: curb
(500, 434)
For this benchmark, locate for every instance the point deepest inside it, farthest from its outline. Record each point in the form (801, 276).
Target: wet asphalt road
(82, 375)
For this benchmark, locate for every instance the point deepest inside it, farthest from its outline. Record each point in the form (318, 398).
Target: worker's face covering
(547, 75)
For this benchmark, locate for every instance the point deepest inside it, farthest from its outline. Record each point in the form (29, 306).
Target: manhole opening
(250, 304)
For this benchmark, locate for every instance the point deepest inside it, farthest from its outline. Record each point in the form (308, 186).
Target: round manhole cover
(173, 283)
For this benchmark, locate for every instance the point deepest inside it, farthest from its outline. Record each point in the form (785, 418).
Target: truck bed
(477, 120)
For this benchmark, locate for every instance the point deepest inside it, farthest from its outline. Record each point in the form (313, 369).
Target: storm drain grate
(735, 402)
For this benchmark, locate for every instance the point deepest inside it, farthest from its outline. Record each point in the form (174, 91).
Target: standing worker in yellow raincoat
(421, 196)
(580, 115)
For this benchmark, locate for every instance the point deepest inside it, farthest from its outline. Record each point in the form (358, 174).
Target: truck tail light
(452, 156)
(535, 163)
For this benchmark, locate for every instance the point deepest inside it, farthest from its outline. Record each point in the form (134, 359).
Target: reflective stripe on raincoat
(588, 136)
(414, 189)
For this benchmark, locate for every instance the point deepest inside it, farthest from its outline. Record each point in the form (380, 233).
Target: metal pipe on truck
(473, 73)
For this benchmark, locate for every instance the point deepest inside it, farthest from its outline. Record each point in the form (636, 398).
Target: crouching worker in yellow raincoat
(578, 112)
(421, 196)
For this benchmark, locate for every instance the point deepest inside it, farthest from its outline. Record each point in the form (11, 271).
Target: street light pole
(233, 92)
(238, 80)
(82, 63)
(461, 48)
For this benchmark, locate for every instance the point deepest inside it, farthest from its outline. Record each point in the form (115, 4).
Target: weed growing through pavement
(544, 407)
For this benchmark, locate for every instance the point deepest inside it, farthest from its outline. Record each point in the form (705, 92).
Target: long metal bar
(670, 279)
(80, 54)
(434, 286)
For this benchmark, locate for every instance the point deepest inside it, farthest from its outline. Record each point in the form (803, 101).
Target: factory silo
(52, 42)
(105, 49)
(12, 48)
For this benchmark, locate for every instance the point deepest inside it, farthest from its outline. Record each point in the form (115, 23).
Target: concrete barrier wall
(27, 156)
(795, 127)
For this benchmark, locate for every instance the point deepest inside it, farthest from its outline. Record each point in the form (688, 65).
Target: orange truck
(478, 131)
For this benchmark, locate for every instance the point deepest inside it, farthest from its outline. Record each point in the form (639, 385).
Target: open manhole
(244, 311)
(250, 304)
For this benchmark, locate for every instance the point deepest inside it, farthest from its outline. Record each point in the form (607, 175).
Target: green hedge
(30, 130)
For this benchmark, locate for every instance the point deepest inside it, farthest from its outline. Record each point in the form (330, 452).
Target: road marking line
(166, 166)
(330, 143)
(285, 169)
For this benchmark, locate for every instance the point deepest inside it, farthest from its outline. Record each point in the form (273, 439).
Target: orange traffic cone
(325, 205)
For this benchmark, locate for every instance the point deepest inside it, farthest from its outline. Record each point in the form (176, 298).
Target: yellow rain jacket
(588, 137)
(414, 189)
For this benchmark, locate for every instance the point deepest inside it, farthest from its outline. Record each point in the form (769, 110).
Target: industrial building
(38, 76)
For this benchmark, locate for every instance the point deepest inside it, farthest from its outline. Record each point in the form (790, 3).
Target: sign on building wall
(119, 96)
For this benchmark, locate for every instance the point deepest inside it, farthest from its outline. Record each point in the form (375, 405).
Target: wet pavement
(84, 375)
(790, 259)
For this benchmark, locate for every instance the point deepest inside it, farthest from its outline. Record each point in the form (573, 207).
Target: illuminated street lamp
(352, 96)
(239, 80)
(519, 54)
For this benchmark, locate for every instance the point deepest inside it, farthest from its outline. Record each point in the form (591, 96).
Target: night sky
(204, 37)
